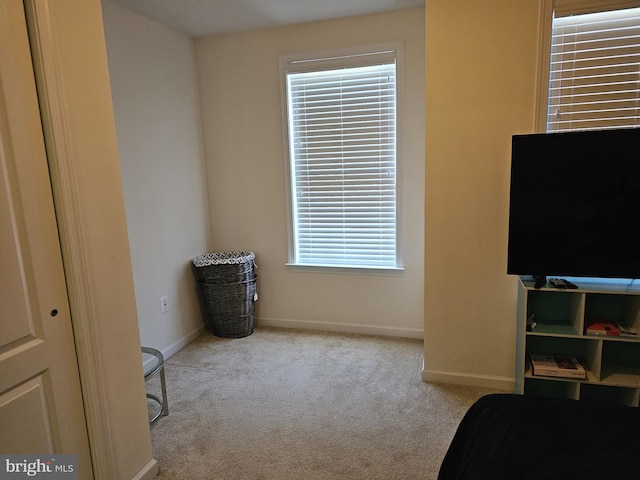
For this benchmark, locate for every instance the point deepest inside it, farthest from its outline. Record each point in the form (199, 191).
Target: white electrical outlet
(164, 304)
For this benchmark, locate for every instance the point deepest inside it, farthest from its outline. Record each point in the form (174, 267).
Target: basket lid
(222, 258)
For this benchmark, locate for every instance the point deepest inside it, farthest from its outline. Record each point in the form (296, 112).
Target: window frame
(330, 59)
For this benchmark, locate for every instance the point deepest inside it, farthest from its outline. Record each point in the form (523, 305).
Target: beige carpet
(283, 404)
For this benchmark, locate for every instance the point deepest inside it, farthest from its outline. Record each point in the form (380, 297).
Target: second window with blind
(594, 80)
(342, 129)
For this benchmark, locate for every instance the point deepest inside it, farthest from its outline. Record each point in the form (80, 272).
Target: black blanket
(508, 437)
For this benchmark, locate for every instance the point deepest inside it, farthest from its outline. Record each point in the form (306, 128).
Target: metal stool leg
(165, 404)
(151, 370)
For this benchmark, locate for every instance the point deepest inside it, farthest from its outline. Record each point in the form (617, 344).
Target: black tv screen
(575, 204)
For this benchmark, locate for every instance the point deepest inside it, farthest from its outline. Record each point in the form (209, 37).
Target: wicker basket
(226, 285)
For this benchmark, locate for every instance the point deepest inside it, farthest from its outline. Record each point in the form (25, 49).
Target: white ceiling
(207, 17)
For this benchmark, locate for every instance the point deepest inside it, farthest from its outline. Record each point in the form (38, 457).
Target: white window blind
(594, 81)
(342, 146)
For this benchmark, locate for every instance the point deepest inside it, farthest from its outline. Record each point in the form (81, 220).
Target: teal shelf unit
(552, 321)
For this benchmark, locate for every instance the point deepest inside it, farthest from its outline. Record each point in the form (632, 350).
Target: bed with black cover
(508, 436)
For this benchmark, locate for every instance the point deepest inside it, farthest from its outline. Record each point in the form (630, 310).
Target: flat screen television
(575, 204)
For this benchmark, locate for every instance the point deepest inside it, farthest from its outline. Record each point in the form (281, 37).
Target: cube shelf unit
(612, 362)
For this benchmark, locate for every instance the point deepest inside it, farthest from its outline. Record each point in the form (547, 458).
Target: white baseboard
(183, 342)
(472, 380)
(148, 472)
(340, 327)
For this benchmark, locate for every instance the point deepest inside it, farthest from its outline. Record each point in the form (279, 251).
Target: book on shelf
(556, 366)
(626, 329)
(601, 326)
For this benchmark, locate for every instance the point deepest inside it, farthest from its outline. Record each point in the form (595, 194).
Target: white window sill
(359, 270)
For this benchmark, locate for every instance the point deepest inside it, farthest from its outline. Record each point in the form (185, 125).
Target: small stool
(152, 366)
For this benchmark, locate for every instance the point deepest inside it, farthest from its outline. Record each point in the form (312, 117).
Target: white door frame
(81, 282)
(66, 205)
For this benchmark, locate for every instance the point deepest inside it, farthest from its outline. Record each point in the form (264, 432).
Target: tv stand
(552, 321)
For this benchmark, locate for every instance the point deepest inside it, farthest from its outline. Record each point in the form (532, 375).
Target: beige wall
(156, 106)
(480, 89)
(242, 115)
